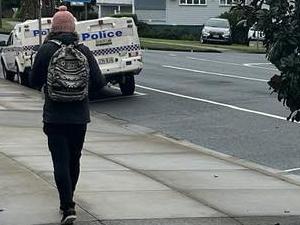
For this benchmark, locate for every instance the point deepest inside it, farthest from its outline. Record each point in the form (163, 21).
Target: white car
(255, 35)
(216, 30)
(18, 54)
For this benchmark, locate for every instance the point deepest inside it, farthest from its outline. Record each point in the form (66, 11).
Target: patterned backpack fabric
(68, 74)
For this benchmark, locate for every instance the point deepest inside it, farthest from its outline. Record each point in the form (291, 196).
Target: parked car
(216, 30)
(255, 34)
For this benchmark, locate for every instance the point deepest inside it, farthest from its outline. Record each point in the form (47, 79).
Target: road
(218, 101)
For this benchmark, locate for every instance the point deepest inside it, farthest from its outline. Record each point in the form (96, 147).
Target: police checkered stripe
(109, 51)
(106, 51)
(14, 49)
(28, 47)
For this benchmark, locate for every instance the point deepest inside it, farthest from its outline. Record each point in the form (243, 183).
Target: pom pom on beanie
(63, 21)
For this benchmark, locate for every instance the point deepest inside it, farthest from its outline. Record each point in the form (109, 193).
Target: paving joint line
(268, 171)
(38, 174)
(178, 190)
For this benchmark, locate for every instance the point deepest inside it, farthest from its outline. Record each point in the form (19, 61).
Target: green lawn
(7, 25)
(164, 44)
(150, 43)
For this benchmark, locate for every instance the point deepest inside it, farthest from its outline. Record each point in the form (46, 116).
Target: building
(171, 12)
(111, 7)
(180, 12)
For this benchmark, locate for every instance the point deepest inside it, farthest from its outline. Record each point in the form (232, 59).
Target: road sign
(84, 1)
(77, 3)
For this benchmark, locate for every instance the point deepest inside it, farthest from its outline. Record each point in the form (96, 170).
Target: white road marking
(290, 170)
(256, 65)
(213, 102)
(135, 93)
(216, 74)
(172, 55)
(220, 62)
(253, 65)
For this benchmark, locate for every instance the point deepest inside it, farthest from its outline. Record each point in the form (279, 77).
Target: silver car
(216, 30)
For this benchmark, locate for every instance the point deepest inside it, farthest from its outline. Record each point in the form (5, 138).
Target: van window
(10, 39)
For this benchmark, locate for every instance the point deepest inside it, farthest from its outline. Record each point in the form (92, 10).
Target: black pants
(65, 142)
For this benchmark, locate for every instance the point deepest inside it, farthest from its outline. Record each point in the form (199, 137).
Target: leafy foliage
(280, 22)
(28, 9)
(281, 25)
(8, 4)
(239, 13)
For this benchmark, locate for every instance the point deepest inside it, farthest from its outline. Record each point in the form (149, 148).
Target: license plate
(215, 36)
(106, 60)
(103, 42)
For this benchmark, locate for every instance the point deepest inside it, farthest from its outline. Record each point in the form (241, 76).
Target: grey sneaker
(69, 216)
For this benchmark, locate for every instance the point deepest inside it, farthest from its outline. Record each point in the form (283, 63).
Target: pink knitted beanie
(63, 21)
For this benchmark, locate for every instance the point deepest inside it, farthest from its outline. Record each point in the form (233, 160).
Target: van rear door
(111, 40)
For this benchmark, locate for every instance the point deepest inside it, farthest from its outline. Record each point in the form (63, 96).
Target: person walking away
(66, 71)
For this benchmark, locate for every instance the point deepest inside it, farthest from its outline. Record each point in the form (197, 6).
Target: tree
(48, 8)
(8, 4)
(281, 25)
(280, 22)
(29, 9)
(241, 17)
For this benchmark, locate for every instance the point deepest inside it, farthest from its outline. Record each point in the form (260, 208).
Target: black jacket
(62, 112)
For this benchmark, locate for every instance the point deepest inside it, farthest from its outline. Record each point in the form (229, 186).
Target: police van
(18, 53)
(116, 47)
(113, 41)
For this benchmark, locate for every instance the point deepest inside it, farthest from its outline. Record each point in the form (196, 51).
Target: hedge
(175, 32)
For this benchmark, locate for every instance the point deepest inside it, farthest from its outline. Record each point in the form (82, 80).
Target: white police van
(116, 46)
(113, 41)
(17, 55)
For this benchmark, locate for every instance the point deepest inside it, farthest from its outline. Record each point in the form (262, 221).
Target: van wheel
(127, 85)
(8, 75)
(22, 78)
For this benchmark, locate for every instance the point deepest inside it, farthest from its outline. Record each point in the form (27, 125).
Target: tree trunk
(29, 9)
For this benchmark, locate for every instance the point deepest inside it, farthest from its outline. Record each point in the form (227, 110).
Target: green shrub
(239, 32)
(281, 26)
(173, 32)
(133, 16)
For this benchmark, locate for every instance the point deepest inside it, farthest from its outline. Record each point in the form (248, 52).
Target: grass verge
(7, 25)
(182, 45)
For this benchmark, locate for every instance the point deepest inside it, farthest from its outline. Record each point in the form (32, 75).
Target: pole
(40, 21)
(133, 6)
(0, 13)
(86, 10)
(99, 10)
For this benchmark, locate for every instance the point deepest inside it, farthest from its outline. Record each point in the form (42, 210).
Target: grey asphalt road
(219, 101)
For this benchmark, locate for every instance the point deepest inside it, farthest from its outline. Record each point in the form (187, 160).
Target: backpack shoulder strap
(57, 42)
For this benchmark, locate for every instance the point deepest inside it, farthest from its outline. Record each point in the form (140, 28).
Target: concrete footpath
(133, 175)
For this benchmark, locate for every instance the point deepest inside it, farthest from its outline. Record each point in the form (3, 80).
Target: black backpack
(68, 74)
